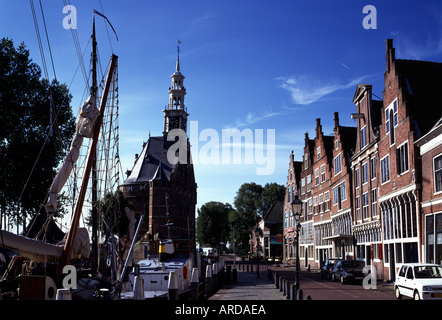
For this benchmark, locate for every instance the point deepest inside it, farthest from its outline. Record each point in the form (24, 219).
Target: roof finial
(178, 56)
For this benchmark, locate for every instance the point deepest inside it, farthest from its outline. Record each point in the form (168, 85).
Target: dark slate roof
(421, 83)
(152, 163)
(275, 212)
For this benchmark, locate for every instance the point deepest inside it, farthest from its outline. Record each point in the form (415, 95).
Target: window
(309, 182)
(402, 158)
(323, 173)
(438, 174)
(391, 119)
(321, 200)
(365, 205)
(385, 169)
(373, 168)
(358, 208)
(365, 173)
(363, 137)
(337, 163)
(318, 151)
(357, 178)
(305, 161)
(302, 185)
(374, 198)
(326, 201)
(317, 176)
(339, 194)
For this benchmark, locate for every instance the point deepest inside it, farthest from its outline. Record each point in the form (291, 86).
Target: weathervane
(178, 47)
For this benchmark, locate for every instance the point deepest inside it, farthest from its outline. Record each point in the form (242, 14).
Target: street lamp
(297, 210)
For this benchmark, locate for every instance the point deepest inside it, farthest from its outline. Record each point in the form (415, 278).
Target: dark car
(348, 270)
(327, 268)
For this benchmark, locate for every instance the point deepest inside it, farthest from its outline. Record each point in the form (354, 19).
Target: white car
(419, 281)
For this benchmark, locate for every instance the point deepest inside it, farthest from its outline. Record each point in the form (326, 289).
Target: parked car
(419, 281)
(348, 270)
(327, 268)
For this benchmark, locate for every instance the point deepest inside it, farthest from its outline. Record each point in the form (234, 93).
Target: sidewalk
(249, 287)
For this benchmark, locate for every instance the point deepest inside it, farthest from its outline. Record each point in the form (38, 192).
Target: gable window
(363, 137)
(391, 119)
(318, 151)
(317, 176)
(438, 173)
(337, 163)
(385, 169)
(323, 173)
(402, 158)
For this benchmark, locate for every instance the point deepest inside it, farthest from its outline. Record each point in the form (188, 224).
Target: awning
(338, 237)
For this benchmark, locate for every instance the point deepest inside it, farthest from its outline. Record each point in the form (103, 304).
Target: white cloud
(306, 90)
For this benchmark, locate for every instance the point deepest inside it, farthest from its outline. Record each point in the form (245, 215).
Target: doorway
(392, 262)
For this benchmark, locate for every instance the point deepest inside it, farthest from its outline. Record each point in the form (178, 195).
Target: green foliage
(212, 225)
(24, 126)
(251, 202)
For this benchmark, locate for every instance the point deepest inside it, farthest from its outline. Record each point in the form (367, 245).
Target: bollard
(173, 286)
(292, 292)
(208, 281)
(63, 294)
(194, 285)
(214, 277)
(234, 276)
(228, 273)
(300, 293)
(139, 288)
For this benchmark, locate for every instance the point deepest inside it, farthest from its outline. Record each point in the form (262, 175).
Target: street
(320, 289)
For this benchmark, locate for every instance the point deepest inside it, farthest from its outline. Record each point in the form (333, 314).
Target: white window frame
(398, 159)
(336, 162)
(382, 169)
(364, 173)
(434, 174)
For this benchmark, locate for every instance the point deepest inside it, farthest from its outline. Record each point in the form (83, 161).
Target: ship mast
(93, 91)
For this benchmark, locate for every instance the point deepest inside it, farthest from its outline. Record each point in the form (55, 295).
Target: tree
(27, 156)
(212, 225)
(112, 211)
(252, 201)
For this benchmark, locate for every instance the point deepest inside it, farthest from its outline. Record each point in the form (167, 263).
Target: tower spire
(178, 56)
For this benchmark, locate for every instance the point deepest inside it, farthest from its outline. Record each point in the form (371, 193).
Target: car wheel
(342, 279)
(416, 295)
(397, 293)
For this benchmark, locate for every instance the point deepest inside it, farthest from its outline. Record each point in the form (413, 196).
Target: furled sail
(43, 252)
(85, 126)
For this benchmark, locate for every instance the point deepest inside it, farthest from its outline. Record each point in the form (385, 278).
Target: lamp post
(297, 210)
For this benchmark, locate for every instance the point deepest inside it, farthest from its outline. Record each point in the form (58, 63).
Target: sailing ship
(41, 264)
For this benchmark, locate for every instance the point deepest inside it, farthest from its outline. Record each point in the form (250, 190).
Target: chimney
(306, 139)
(336, 120)
(390, 54)
(318, 127)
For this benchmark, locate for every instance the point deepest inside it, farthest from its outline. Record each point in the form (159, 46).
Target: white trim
(396, 193)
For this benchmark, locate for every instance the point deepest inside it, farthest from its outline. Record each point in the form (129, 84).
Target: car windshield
(351, 264)
(428, 272)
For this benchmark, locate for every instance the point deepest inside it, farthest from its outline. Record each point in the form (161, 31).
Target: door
(392, 262)
(367, 255)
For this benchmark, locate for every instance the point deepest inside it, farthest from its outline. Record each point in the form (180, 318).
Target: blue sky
(270, 65)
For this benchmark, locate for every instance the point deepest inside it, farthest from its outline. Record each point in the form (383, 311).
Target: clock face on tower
(173, 123)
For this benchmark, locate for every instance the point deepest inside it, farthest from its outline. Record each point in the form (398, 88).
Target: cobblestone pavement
(249, 287)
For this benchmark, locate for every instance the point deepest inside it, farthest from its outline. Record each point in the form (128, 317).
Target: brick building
(431, 152)
(410, 99)
(365, 162)
(376, 194)
(163, 191)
